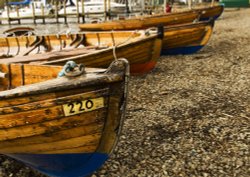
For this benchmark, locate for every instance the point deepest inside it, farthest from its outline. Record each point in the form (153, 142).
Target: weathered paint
(66, 146)
(137, 69)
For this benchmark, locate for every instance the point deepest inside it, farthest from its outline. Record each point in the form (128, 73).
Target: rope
(114, 45)
(114, 52)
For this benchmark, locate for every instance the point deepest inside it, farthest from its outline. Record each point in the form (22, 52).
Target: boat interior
(15, 75)
(27, 45)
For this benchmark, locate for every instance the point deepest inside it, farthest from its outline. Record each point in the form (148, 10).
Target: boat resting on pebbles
(206, 13)
(93, 49)
(143, 22)
(64, 126)
(149, 21)
(186, 38)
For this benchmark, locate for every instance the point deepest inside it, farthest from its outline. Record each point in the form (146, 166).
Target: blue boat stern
(63, 165)
(182, 50)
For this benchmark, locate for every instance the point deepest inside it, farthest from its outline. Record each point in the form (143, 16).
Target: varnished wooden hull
(142, 51)
(142, 22)
(64, 126)
(186, 39)
(208, 13)
(142, 56)
(202, 14)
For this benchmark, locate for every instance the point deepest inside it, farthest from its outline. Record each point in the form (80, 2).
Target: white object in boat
(93, 6)
(27, 11)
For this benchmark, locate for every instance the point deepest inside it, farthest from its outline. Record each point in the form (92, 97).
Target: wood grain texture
(142, 22)
(194, 34)
(32, 119)
(149, 21)
(98, 50)
(208, 12)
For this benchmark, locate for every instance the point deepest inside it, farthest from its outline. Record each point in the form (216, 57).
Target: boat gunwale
(62, 83)
(200, 12)
(140, 39)
(189, 25)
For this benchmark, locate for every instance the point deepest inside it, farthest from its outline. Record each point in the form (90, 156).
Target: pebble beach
(190, 116)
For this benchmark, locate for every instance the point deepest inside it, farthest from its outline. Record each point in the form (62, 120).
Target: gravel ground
(188, 117)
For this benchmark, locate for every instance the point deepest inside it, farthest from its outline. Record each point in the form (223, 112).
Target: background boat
(147, 21)
(142, 22)
(93, 49)
(187, 38)
(208, 13)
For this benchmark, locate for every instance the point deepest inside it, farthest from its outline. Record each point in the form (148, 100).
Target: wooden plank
(209, 31)
(30, 117)
(114, 122)
(29, 103)
(40, 44)
(57, 136)
(142, 22)
(183, 38)
(49, 56)
(123, 50)
(88, 140)
(28, 74)
(188, 35)
(156, 50)
(49, 127)
(210, 11)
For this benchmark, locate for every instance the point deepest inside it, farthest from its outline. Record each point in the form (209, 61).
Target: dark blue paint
(25, 2)
(63, 165)
(181, 50)
(208, 18)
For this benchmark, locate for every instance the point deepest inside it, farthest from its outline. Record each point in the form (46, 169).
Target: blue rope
(69, 66)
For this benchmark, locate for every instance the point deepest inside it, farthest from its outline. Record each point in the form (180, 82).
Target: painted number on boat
(78, 107)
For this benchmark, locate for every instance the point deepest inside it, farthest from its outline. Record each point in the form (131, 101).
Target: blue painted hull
(63, 165)
(182, 50)
(206, 19)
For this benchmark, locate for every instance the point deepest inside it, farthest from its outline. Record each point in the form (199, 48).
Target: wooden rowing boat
(143, 22)
(186, 39)
(141, 48)
(212, 12)
(64, 126)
